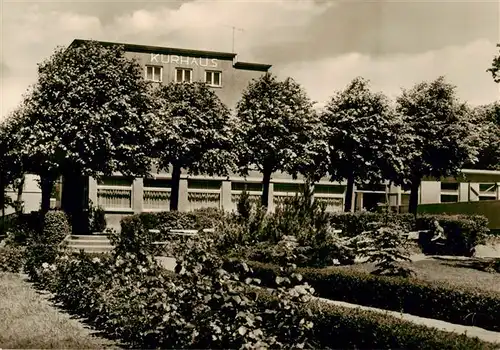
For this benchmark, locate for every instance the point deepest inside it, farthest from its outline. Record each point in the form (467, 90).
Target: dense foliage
(211, 303)
(443, 136)
(11, 167)
(278, 130)
(487, 118)
(43, 247)
(194, 133)
(364, 135)
(433, 300)
(88, 114)
(495, 68)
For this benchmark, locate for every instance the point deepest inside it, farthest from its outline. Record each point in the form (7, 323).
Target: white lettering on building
(194, 61)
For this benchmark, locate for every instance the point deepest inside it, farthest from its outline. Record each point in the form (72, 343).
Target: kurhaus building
(219, 70)
(121, 196)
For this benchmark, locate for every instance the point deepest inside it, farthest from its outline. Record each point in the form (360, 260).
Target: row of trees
(91, 113)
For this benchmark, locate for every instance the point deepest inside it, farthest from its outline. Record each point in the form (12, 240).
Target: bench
(180, 232)
(414, 235)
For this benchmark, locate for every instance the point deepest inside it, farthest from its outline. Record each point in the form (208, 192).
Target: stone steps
(89, 243)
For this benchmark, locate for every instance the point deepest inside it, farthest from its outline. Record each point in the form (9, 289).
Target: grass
(29, 321)
(459, 272)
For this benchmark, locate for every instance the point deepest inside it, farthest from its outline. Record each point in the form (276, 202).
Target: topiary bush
(45, 246)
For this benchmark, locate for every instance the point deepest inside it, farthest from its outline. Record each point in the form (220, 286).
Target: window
(213, 78)
(154, 73)
(449, 186)
(204, 184)
(183, 75)
(449, 198)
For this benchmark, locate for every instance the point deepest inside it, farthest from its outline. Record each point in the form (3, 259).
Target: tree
(495, 68)
(194, 133)
(363, 137)
(277, 131)
(487, 120)
(11, 167)
(443, 137)
(87, 115)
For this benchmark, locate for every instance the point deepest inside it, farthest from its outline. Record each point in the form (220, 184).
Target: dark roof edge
(162, 50)
(252, 66)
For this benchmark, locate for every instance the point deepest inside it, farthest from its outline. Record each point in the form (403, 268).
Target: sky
(322, 44)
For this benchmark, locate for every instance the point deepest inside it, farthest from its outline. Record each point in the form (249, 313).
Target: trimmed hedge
(135, 235)
(43, 247)
(463, 232)
(464, 306)
(337, 327)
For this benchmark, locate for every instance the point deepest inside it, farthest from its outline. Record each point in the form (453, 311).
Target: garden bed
(455, 271)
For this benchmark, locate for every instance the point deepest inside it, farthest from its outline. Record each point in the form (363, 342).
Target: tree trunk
(415, 185)
(47, 182)
(74, 202)
(20, 187)
(349, 194)
(174, 194)
(266, 180)
(2, 203)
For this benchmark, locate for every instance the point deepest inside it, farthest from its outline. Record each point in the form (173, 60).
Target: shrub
(458, 305)
(97, 218)
(208, 217)
(206, 306)
(354, 224)
(337, 327)
(384, 245)
(462, 233)
(45, 247)
(11, 258)
(134, 237)
(202, 306)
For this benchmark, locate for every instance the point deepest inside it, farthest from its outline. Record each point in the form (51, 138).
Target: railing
(199, 198)
(253, 196)
(333, 203)
(114, 197)
(156, 198)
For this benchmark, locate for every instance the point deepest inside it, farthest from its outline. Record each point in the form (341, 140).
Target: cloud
(379, 28)
(323, 44)
(464, 66)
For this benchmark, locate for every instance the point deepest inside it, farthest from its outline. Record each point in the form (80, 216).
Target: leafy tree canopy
(278, 129)
(444, 135)
(88, 113)
(487, 120)
(495, 67)
(195, 129)
(363, 135)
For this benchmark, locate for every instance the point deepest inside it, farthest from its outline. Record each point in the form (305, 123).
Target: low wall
(490, 209)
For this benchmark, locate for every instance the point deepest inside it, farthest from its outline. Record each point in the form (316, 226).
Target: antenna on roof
(234, 30)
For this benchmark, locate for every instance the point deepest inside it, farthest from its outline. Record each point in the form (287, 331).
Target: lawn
(456, 271)
(28, 320)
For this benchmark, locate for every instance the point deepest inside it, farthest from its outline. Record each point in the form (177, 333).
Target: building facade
(219, 70)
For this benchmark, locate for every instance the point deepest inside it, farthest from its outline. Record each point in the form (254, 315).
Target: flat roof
(181, 52)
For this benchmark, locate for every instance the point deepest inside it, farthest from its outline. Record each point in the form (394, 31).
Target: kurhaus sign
(196, 61)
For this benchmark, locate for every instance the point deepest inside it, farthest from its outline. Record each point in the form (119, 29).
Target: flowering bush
(45, 247)
(202, 305)
(11, 258)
